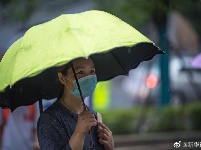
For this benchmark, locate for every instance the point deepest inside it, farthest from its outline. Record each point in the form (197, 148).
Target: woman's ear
(61, 78)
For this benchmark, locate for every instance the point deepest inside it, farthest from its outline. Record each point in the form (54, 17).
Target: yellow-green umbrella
(28, 69)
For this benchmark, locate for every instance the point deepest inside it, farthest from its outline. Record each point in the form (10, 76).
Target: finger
(100, 130)
(103, 126)
(87, 115)
(90, 120)
(104, 131)
(85, 112)
(103, 136)
(103, 142)
(91, 124)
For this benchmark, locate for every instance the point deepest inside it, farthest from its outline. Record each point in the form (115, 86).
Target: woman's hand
(105, 136)
(85, 121)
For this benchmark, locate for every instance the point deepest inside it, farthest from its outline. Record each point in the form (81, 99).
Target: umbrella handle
(73, 69)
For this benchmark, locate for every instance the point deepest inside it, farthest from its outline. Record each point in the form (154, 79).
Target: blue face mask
(87, 85)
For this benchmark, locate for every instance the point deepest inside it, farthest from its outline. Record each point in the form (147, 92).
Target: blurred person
(19, 128)
(181, 34)
(66, 124)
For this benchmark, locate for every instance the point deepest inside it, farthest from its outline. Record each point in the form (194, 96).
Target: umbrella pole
(41, 105)
(78, 86)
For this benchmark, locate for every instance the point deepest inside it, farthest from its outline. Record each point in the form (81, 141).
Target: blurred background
(158, 103)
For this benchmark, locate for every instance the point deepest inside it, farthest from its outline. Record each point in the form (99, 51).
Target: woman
(66, 124)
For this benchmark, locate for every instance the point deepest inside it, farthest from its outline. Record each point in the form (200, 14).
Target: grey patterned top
(56, 125)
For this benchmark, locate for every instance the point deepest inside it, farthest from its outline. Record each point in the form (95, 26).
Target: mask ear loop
(67, 86)
(78, 85)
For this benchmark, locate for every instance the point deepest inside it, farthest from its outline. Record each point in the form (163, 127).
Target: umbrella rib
(118, 62)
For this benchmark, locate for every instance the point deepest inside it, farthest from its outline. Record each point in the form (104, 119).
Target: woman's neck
(72, 103)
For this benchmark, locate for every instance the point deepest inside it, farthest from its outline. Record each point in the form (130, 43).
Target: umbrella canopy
(28, 70)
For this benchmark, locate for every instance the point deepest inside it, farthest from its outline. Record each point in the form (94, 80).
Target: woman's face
(83, 67)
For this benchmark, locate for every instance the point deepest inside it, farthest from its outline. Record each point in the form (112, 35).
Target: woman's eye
(80, 72)
(92, 71)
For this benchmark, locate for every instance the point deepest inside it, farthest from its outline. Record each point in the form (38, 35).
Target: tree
(17, 10)
(138, 12)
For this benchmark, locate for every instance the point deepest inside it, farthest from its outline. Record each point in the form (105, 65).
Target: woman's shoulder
(51, 111)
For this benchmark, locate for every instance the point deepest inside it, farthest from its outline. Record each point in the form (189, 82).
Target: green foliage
(169, 120)
(138, 12)
(18, 10)
(152, 119)
(119, 121)
(194, 112)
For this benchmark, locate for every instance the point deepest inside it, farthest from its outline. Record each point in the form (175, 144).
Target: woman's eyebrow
(82, 67)
(79, 67)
